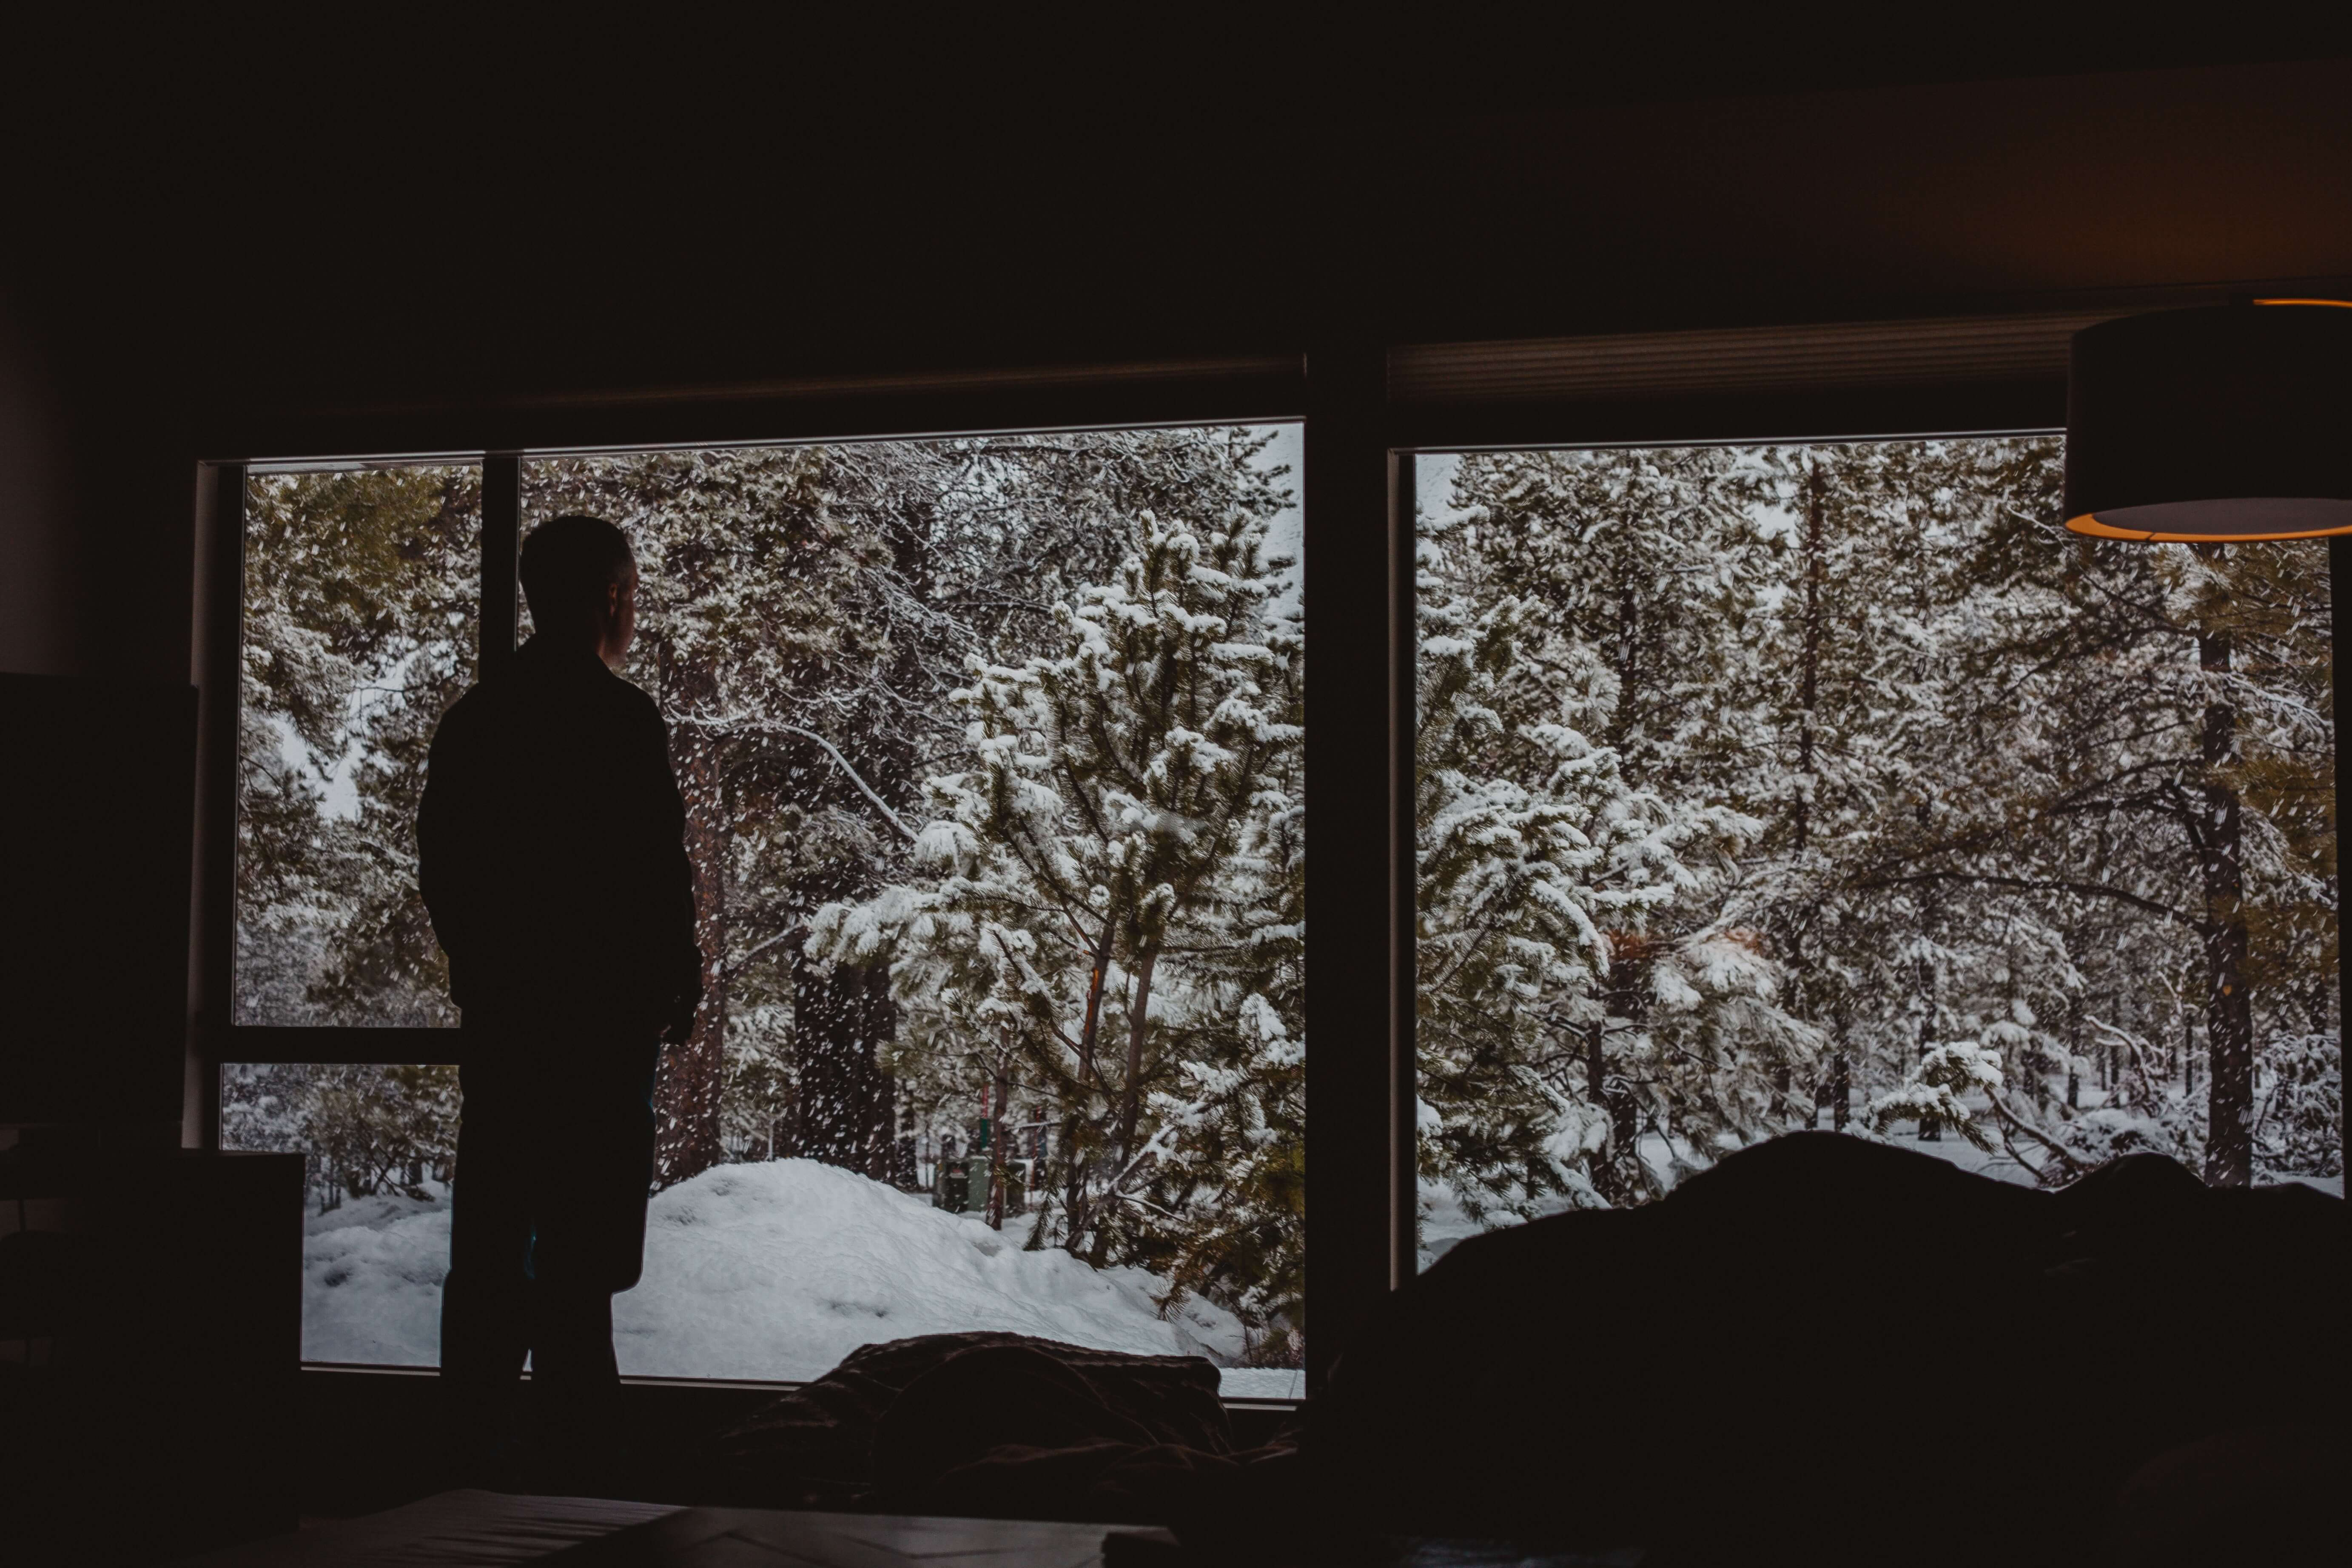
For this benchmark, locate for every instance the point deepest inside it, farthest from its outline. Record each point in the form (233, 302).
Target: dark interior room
(1827, 1005)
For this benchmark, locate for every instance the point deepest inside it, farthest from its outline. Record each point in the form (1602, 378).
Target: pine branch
(2029, 884)
(755, 726)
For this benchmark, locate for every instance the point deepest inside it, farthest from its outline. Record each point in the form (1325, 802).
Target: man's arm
(675, 953)
(448, 850)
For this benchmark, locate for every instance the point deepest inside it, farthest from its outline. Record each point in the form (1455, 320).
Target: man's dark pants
(547, 1220)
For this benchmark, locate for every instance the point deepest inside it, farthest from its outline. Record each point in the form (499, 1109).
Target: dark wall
(1883, 199)
(37, 626)
(206, 243)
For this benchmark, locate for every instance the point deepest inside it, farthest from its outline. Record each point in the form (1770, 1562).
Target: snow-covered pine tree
(359, 629)
(1990, 833)
(1852, 669)
(1623, 594)
(2160, 762)
(1509, 956)
(1112, 912)
(804, 612)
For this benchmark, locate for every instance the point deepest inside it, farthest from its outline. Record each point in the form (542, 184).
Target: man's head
(580, 580)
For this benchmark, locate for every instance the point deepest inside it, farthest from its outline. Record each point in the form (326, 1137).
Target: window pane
(991, 753)
(379, 1144)
(855, 645)
(1764, 788)
(361, 598)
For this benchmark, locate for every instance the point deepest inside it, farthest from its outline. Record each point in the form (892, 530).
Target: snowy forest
(1757, 788)
(1775, 787)
(991, 749)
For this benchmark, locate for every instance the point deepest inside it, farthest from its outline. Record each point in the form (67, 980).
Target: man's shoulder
(522, 694)
(625, 696)
(624, 713)
(462, 714)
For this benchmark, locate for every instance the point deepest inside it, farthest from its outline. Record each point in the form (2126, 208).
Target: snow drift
(770, 1270)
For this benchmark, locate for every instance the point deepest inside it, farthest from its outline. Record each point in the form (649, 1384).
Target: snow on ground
(1262, 1383)
(372, 1282)
(773, 1270)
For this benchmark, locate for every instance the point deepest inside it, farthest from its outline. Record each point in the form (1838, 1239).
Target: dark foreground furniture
(1822, 1351)
(155, 1302)
(494, 1529)
(723, 1537)
(464, 1529)
(1826, 1349)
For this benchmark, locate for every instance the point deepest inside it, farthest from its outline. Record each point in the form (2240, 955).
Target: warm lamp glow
(2228, 424)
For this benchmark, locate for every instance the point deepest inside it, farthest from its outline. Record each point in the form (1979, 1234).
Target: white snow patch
(773, 1270)
(1263, 1383)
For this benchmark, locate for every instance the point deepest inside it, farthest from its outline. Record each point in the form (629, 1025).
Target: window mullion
(2339, 574)
(1404, 653)
(337, 1043)
(502, 530)
(220, 616)
(1350, 1223)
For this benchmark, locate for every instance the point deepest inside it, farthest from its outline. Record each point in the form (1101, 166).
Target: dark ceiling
(351, 218)
(213, 221)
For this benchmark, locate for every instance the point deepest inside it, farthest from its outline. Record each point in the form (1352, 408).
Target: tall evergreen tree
(1111, 920)
(2039, 827)
(806, 612)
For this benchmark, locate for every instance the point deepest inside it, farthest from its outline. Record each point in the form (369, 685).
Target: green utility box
(962, 1185)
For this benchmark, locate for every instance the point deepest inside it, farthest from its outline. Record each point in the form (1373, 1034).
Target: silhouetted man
(551, 853)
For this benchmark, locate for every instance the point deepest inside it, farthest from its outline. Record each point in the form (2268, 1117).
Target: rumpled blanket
(996, 1425)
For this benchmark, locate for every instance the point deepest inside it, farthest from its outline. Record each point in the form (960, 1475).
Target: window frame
(1360, 445)
(1954, 408)
(1267, 389)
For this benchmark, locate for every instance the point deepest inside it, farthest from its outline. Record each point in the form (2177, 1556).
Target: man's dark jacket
(550, 850)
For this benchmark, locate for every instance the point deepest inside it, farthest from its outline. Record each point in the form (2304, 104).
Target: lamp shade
(2230, 423)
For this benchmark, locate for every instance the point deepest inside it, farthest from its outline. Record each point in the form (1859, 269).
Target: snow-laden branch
(794, 932)
(2031, 884)
(851, 774)
(831, 750)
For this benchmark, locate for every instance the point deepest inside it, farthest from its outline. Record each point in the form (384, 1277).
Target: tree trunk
(692, 1075)
(2074, 1050)
(1074, 1214)
(1809, 661)
(1131, 1108)
(1931, 1130)
(1602, 1166)
(1596, 1061)
(844, 1114)
(997, 1135)
(906, 1172)
(1615, 1174)
(1630, 705)
(2229, 1012)
(1091, 1027)
(1840, 1090)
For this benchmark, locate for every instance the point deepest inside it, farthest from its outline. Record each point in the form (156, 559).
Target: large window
(1707, 792)
(991, 748)
(1761, 788)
